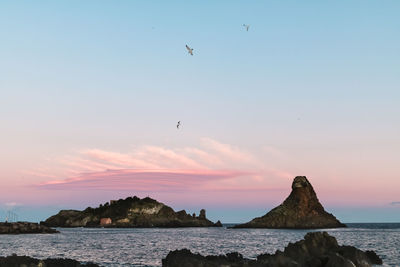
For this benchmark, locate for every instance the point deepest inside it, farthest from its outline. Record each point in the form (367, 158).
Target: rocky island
(25, 228)
(129, 212)
(317, 249)
(300, 210)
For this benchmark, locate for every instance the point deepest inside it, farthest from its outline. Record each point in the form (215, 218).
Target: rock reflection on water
(146, 247)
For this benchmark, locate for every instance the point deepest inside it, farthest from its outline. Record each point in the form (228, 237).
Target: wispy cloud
(211, 166)
(143, 180)
(394, 203)
(227, 151)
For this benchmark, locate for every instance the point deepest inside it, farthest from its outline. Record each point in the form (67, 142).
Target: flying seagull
(190, 50)
(179, 124)
(246, 26)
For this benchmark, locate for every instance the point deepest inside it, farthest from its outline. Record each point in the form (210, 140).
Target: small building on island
(105, 221)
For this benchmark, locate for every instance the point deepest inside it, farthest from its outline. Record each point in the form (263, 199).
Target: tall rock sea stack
(300, 210)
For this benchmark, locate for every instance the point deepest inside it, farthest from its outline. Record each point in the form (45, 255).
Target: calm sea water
(146, 247)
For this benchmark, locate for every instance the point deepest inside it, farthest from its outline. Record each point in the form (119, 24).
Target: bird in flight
(178, 124)
(190, 50)
(246, 26)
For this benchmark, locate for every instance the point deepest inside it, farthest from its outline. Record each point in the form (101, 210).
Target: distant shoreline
(384, 225)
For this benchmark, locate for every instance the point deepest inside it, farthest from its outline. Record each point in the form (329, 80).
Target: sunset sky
(91, 91)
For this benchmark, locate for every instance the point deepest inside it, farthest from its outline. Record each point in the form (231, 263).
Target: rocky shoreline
(317, 249)
(25, 228)
(20, 261)
(131, 212)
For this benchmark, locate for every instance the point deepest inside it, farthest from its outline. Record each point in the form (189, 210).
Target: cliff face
(300, 210)
(129, 212)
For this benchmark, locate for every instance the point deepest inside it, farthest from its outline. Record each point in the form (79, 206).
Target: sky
(91, 91)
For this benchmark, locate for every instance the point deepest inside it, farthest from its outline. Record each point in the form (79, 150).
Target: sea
(146, 247)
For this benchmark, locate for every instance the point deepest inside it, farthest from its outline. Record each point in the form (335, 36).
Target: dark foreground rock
(317, 249)
(300, 210)
(25, 228)
(25, 261)
(129, 212)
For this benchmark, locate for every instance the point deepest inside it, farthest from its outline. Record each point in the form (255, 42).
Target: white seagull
(190, 50)
(246, 26)
(178, 124)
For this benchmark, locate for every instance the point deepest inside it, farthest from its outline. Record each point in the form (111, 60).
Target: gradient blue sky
(311, 89)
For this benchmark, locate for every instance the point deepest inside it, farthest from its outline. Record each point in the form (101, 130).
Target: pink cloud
(227, 151)
(211, 155)
(204, 157)
(117, 159)
(163, 155)
(211, 172)
(143, 180)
